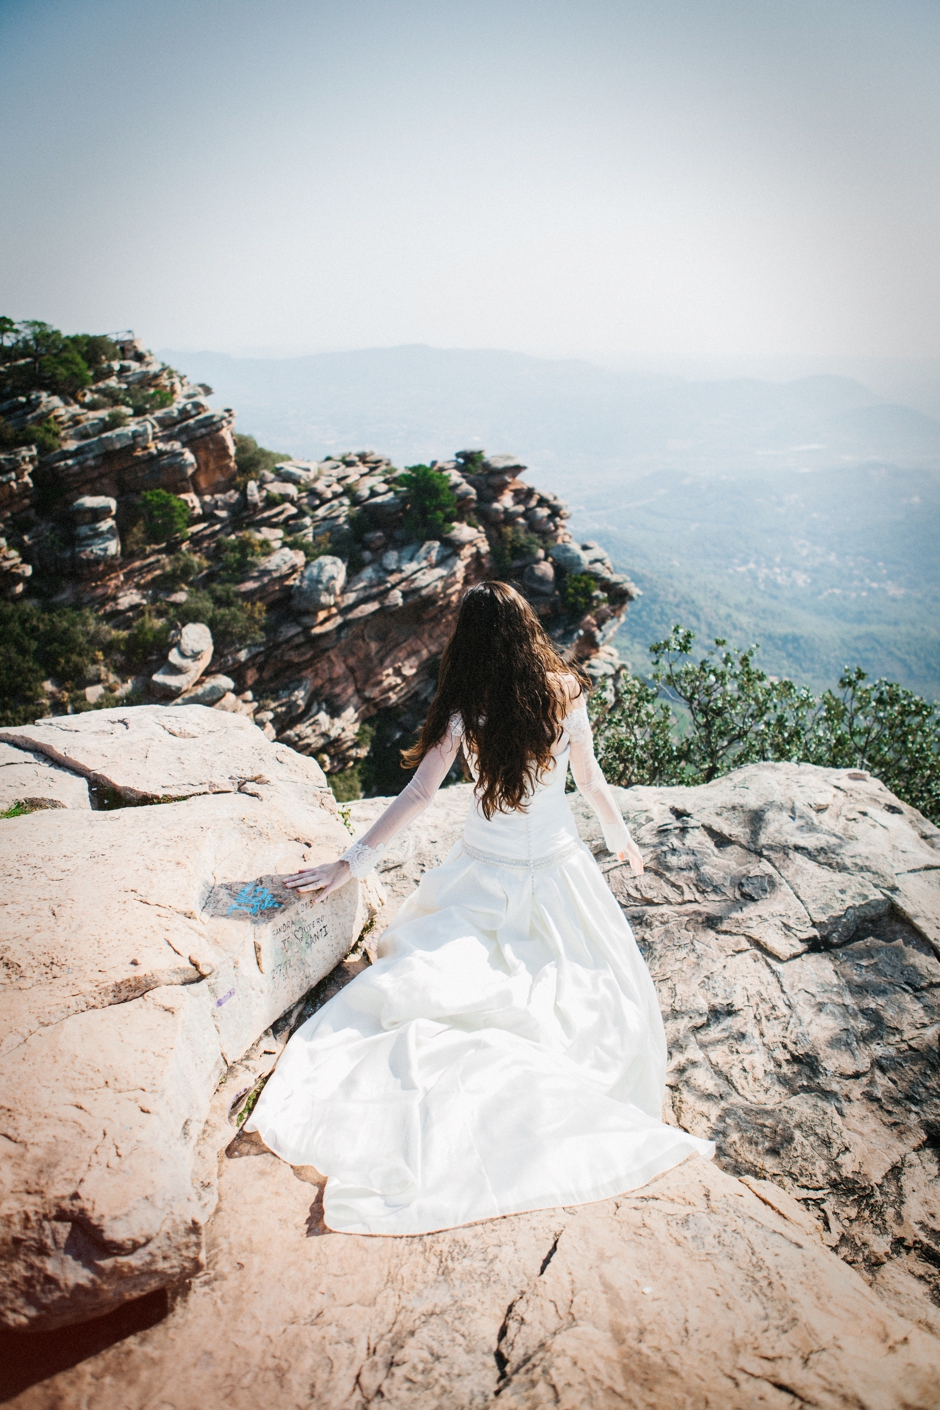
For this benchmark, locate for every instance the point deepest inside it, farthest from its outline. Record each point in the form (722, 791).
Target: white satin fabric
(504, 1053)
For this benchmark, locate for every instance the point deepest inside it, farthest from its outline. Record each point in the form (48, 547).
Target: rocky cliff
(323, 593)
(788, 915)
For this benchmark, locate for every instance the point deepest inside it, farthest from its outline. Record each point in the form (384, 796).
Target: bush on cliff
(251, 459)
(232, 621)
(430, 503)
(40, 643)
(35, 357)
(166, 516)
(577, 593)
(702, 717)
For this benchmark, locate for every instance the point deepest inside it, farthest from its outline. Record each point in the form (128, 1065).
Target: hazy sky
(563, 177)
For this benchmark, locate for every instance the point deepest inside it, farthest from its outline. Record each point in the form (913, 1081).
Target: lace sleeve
(577, 725)
(362, 859)
(592, 783)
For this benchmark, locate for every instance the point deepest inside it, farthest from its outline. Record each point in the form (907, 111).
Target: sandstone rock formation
(352, 603)
(699, 1291)
(146, 948)
(794, 1271)
(789, 917)
(107, 452)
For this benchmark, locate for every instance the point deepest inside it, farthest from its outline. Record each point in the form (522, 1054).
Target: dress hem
(608, 1190)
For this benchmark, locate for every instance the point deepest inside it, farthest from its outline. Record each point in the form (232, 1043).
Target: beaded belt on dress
(524, 863)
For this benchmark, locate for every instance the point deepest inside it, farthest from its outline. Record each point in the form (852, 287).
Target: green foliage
(183, 567)
(18, 810)
(430, 503)
(232, 621)
(45, 435)
(634, 731)
(115, 420)
(738, 714)
(512, 543)
(380, 771)
(34, 356)
(577, 593)
(165, 516)
(251, 459)
(142, 401)
(238, 555)
(148, 637)
(886, 730)
(39, 643)
(733, 713)
(471, 461)
(346, 786)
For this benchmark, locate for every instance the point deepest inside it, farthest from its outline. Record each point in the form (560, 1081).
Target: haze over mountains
(802, 514)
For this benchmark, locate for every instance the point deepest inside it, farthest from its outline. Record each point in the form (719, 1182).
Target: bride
(505, 1052)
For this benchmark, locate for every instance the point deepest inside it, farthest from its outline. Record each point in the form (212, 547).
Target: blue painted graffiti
(253, 899)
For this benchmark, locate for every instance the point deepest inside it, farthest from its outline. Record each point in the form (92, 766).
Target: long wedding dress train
(506, 1051)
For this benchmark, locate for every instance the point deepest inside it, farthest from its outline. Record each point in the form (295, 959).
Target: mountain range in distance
(804, 515)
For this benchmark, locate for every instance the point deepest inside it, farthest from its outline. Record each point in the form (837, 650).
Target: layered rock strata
(180, 445)
(146, 949)
(358, 604)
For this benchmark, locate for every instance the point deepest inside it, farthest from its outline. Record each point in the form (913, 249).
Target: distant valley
(804, 515)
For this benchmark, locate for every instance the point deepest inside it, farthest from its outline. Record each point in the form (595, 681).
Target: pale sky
(595, 178)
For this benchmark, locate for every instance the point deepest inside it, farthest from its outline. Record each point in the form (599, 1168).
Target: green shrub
(430, 503)
(142, 401)
(183, 567)
(346, 785)
(577, 593)
(238, 555)
(251, 459)
(723, 712)
(232, 621)
(166, 516)
(34, 356)
(44, 435)
(512, 543)
(635, 733)
(115, 420)
(147, 638)
(39, 643)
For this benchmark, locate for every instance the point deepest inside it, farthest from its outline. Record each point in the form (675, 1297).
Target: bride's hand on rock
(632, 855)
(327, 877)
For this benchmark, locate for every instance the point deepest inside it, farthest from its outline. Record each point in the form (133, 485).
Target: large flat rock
(144, 950)
(801, 1001)
(151, 754)
(697, 1291)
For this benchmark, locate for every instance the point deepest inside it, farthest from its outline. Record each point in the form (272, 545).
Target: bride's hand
(632, 855)
(327, 877)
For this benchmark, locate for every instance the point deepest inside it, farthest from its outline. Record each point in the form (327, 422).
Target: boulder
(272, 576)
(186, 662)
(145, 949)
(319, 585)
(153, 754)
(569, 557)
(539, 578)
(298, 472)
(91, 508)
(208, 691)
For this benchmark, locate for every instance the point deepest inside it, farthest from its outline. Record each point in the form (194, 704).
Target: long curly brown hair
(496, 673)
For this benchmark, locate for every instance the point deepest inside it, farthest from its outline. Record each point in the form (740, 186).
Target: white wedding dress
(505, 1052)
